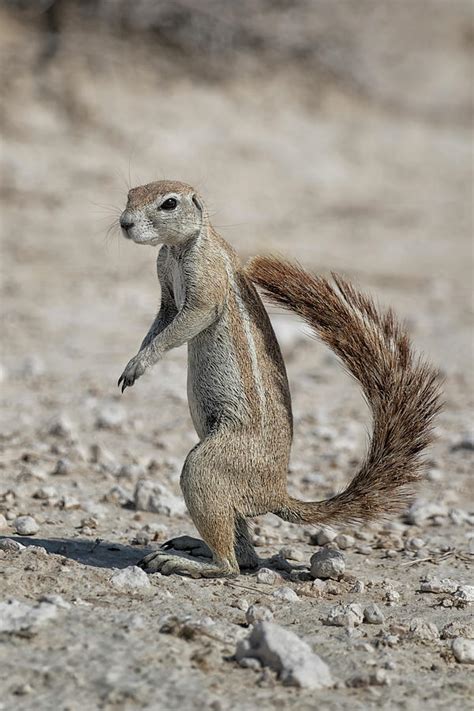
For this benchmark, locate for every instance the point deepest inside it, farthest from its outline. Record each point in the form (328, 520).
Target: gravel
(288, 655)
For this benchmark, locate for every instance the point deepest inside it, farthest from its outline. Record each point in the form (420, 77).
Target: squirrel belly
(402, 390)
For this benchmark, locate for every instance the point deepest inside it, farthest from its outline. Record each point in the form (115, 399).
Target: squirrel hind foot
(177, 563)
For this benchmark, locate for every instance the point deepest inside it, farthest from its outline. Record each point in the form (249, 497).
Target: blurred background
(335, 133)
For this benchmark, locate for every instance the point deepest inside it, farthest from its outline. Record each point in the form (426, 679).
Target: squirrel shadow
(98, 553)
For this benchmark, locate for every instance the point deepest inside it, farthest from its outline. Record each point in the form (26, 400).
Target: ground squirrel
(238, 389)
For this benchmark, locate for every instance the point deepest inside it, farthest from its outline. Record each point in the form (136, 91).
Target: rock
(258, 613)
(243, 604)
(54, 599)
(458, 517)
(266, 576)
(3, 522)
(324, 536)
(377, 678)
(60, 426)
(345, 541)
(358, 586)
(102, 456)
(435, 474)
(110, 416)
(465, 593)
(421, 629)
(286, 654)
(463, 650)
(291, 553)
(466, 442)
(44, 493)
(438, 585)
(392, 596)
(364, 550)
(131, 578)
(421, 511)
(117, 495)
(68, 503)
(10, 546)
(32, 367)
(414, 544)
(286, 594)
(373, 615)
(350, 615)
(327, 563)
(20, 618)
(151, 496)
(63, 468)
(458, 628)
(25, 526)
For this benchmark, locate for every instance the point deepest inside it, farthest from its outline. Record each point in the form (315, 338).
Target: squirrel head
(164, 212)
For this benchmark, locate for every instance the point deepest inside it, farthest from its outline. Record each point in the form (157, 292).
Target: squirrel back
(402, 390)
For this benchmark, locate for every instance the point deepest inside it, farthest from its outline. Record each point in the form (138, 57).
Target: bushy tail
(403, 391)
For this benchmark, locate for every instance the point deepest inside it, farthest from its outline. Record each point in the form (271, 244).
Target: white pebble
(110, 416)
(327, 563)
(287, 594)
(350, 615)
(45, 492)
(25, 526)
(10, 546)
(131, 578)
(152, 496)
(422, 629)
(258, 613)
(288, 655)
(325, 535)
(345, 541)
(465, 593)
(463, 650)
(373, 615)
(60, 426)
(438, 585)
(18, 617)
(265, 575)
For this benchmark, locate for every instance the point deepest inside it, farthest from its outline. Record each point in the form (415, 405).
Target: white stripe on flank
(257, 376)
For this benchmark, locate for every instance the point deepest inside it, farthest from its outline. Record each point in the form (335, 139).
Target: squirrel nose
(126, 223)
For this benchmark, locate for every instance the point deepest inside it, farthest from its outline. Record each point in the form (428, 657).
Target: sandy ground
(321, 174)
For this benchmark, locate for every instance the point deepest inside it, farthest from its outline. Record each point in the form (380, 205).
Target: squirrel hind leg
(244, 549)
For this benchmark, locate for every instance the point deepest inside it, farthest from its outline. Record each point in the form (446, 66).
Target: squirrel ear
(196, 202)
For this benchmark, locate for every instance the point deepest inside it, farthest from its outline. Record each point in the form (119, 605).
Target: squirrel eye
(168, 204)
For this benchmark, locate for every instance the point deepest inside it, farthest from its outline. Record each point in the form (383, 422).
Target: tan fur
(238, 390)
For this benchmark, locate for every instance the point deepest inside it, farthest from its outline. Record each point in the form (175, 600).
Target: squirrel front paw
(134, 370)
